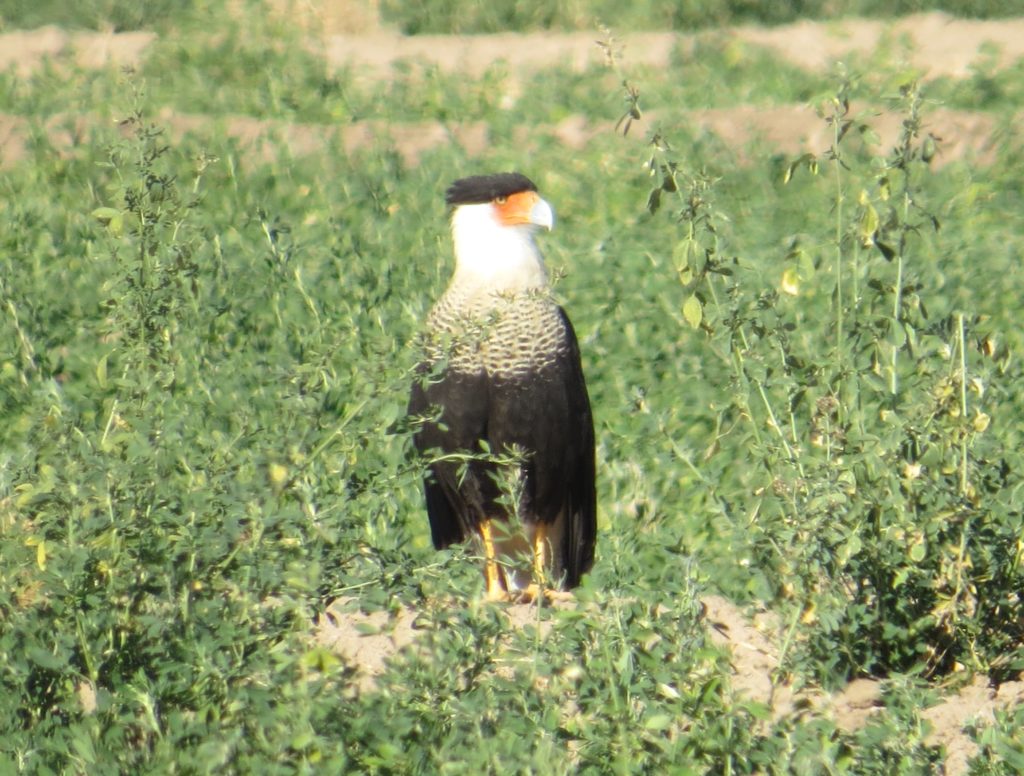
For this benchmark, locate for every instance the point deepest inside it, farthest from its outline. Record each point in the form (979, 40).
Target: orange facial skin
(516, 209)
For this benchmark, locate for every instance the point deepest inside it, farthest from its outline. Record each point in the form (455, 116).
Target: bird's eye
(500, 200)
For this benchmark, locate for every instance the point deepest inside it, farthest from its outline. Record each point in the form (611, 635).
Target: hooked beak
(542, 215)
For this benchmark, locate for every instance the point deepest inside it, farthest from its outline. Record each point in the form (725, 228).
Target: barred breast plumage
(505, 335)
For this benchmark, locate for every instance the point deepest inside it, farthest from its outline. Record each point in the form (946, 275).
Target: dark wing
(462, 398)
(581, 508)
(581, 524)
(547, 413)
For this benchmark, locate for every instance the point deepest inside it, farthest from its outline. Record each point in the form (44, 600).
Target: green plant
(882, 505)
(457, 16)
(118, 15)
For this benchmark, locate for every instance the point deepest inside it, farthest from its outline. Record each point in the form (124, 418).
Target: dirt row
(933, 43)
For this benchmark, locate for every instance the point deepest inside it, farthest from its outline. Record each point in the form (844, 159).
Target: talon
(558, 595)
(498, 596)
(531, 593)
(534, 592)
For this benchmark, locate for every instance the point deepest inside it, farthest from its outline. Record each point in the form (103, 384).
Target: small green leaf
(896, 336)
(654, 201)
(105, 214)
(917, 551)
(112, 218)
(44, 659)
(868, 224)
(928, 148)
(869, 135)
(693, 311)
(682, 252)
(101, 371)
(806, 265)
(658, 722)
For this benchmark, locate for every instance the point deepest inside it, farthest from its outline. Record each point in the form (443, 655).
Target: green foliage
(162, 527)
(1002, 748)
(233, 71)
(884, 502)
(806, 393)
(118, 15)
(463, 16)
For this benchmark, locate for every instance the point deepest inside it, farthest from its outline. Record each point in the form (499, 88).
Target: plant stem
(837, 166)
(897, 302)
(963, 402)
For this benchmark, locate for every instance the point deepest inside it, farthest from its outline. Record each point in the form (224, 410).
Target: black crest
(479, 189)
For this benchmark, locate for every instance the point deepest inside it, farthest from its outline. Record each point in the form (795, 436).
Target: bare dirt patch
(368, 641)
(935, 43)
(26, 51)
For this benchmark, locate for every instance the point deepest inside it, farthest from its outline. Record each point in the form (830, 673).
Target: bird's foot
(534, 592)
(498, 595)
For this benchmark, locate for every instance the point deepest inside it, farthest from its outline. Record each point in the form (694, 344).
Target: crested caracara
(510, 385)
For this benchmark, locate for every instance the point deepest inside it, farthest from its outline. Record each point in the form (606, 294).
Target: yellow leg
(492, 573)
(540, 551)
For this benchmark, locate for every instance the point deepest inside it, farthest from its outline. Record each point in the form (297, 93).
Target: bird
(505, 418)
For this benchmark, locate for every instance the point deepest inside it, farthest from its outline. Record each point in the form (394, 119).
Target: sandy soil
(368, 641)
(933, 43)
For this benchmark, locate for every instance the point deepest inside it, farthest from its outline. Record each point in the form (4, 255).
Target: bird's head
(494, 219)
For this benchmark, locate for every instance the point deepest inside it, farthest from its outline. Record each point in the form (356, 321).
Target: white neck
(504, 259)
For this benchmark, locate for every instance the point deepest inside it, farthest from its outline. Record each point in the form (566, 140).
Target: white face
(494, 243)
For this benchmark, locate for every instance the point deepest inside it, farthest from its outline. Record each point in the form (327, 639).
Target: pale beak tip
(542, 215)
